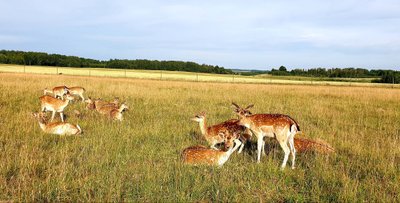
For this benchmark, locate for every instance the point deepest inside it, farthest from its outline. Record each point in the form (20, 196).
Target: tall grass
(138, 159)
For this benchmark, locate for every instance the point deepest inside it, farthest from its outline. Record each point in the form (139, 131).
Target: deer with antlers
(279, 126)
(213, 134)
(57, 128)
(49, 103)
(58, 91)
(200, 155)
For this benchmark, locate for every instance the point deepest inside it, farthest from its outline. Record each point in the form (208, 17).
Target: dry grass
(190, 76)
(138, 159)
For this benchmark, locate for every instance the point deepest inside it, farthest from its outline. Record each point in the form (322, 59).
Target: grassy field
(190, 76)
(139, 159)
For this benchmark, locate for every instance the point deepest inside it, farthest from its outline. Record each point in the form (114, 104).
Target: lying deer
(212, 133)
(58, 91)
(49, 103)
(78, 91)
(116, 113)
(200, 155)
(58, 128)
(279, 126)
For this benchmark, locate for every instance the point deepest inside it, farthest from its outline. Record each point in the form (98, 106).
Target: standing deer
(200, 155)
(212, 134)
(58, 91)
(49, 103)
(58, 128)
(279, 126)
(77, 91)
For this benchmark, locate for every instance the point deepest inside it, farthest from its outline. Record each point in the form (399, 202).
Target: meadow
(192, 76)
(139, 159)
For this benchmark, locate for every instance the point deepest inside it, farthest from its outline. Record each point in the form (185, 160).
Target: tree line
(386, 76)
(44, 59)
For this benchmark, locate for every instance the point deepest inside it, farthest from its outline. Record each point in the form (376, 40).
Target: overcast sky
(235, 34)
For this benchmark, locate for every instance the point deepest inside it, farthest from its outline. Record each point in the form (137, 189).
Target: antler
(250, 106)
(234, 104)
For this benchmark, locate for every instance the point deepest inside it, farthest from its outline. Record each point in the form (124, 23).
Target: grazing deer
(58, 91)
(58, 128)
(200, 155)
(279, 126)
(78, 91)
(116, 113)
(49, 103)
(213, 133)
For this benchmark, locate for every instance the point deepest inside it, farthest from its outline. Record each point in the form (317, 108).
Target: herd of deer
(62, 97)
(235, 133)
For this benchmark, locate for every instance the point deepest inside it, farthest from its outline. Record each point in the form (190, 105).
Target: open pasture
(139, 159)
(191, 76)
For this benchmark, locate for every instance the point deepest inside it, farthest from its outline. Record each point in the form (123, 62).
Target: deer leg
(292, 149)
(83, 98)
(62, 116)
(241, 144)
(259, 148)
(285, 147)
(53, 113)
(237, 144)
(263, 148)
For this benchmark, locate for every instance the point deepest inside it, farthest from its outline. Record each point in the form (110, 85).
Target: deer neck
(121, 108)
(42, 124)
(203, 126)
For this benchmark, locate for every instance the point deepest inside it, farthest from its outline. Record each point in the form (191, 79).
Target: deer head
(242, 112)
(199, 117)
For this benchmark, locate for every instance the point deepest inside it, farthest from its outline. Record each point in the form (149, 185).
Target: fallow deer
(200, 155)
(279, 126)
(49, 103)
(116, 113)
(212, 134)
(99, 103)
(58, 91)
(78, 91)
(58, 128)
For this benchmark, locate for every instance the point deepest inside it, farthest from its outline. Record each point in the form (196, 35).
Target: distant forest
(385, 76)
(44, 59)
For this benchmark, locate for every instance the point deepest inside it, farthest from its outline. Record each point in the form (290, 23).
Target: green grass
(138, 159)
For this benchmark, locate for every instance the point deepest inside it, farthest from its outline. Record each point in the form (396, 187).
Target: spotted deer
(58, 91)
(57, 128)
(116, 113)
(212, 134)
(49, 103)
(278, 126)
(78, 91)
(200, 155)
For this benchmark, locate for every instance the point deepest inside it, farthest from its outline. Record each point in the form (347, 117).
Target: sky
(234, 34)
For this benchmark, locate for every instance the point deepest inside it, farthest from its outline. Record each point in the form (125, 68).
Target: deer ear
(250, 106)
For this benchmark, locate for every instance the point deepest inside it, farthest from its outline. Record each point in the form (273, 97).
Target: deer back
(52, 103)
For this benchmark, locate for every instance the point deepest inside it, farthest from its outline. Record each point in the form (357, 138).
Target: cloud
(234, 34)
